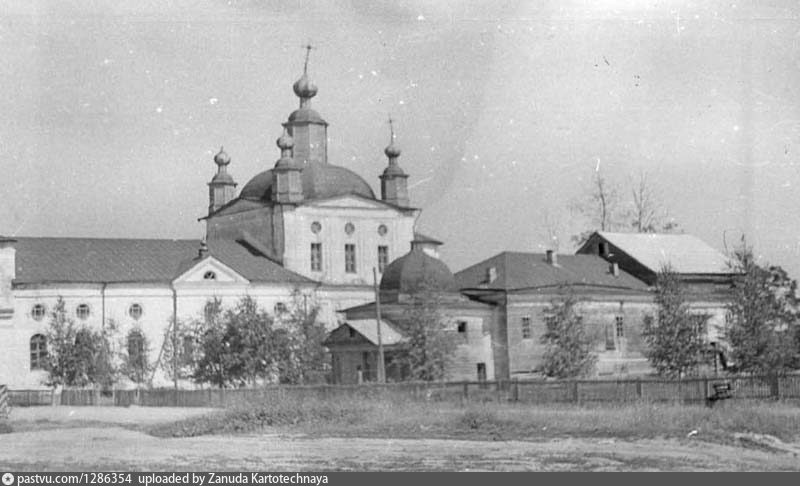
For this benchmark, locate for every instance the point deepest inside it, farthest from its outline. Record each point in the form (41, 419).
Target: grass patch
(377, 417)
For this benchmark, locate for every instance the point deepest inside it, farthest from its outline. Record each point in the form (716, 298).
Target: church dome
(320, 181)
(304, 88)
(407, 274)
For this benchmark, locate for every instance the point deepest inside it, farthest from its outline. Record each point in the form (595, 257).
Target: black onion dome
(407, 274)
(320, 181)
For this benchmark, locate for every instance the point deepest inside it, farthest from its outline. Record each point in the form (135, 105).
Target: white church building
(303, 225)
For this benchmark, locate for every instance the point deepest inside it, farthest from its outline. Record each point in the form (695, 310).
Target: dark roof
(42, 260)
(320, 181)
(406, 274)
(516, 270)
(419, 237)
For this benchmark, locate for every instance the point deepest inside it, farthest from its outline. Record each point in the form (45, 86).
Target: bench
(722, 391)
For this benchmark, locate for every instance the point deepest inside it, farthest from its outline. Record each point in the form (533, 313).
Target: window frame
(35, 315)
(37, 345)
(136, 311)
(83, 311)
(383, 257)
(619, 326)
(526, 327)
(316, 257)
(350, 265)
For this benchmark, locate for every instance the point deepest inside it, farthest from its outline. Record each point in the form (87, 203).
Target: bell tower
(306, 126)
(222, 188)
(394, 182)
(287, 185)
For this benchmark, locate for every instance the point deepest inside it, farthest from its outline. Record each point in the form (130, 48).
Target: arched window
(136, 363)
(135, 345)
(38, 352)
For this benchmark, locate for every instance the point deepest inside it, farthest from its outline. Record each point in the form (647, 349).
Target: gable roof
(518, 270)
(85, 260)
(368, 329)
(684, 253)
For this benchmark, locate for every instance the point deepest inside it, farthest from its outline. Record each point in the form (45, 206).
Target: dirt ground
(97, 438)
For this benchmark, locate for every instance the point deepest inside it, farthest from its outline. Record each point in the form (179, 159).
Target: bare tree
(603, 208)
(647, 214)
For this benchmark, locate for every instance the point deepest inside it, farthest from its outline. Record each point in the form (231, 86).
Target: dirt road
(109, 447)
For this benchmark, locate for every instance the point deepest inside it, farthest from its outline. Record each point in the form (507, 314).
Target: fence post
(639, 391)
(575, 392)
(466, 391)
(515, 395)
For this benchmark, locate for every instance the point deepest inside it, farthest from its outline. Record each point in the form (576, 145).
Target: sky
(504, 110)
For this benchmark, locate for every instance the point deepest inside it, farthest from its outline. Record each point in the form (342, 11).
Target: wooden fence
(533, 392)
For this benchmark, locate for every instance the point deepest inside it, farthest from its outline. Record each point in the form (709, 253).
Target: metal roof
(684, 253)
(517, 270)
(369, 329)
(84, 260)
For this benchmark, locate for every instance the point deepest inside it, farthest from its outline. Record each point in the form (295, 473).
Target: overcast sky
(112, 111)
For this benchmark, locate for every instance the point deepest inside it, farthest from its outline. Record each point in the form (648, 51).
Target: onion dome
(285, 142)
(392, 151)
(417, 271)
(222, 158)
(304, 88)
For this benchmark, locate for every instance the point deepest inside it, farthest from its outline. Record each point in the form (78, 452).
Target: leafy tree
(302, 357)
(209, 359)
(674, 337)
(762, 324)
(568, 346)
(248, 352)
(179, 350)
(78, 355)
(431, 342)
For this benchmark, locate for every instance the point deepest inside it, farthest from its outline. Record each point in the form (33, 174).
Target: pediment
(202, 270)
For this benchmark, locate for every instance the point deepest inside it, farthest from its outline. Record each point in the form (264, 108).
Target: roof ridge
(97, 238)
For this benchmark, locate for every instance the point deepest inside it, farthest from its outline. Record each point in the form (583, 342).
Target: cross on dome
(303, 87)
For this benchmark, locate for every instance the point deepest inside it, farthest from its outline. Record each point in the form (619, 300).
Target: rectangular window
(316, 257)
(462, 328)
(350, 258)
(610, 344)
(619, 324)
(526, 327)
(383, 257)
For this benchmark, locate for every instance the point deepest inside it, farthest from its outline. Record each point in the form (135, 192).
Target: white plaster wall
(333, 216)
(157, 305)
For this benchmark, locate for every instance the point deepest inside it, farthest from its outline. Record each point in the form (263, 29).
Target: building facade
(303, 228)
